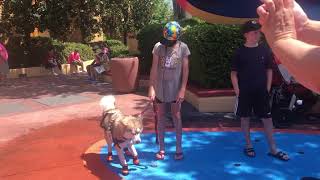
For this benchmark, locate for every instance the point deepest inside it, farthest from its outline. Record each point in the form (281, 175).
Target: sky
(170, 2)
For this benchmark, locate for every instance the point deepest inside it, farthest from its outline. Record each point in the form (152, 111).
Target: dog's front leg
(109, 141)
(132, 149)
(123, 162)
(108, 138)
(134, 153)
(119, 148)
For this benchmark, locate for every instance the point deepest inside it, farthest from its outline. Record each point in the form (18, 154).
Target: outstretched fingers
(263, 14)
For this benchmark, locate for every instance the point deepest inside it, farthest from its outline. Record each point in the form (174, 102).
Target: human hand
(300, 17)
(269, 89)
(180, 97)
(152, 94)
(237, 91)
(277, 20)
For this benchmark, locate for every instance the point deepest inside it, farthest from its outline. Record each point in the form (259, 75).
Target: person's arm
(301, 59)
(234, 80)
(269, 79)
(185, 75)
(77, 57)
(270, 64)
(153, 76)
(94, 61)
(310, 32)
(234, 73)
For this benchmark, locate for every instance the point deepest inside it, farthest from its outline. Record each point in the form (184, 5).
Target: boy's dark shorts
(259, 102)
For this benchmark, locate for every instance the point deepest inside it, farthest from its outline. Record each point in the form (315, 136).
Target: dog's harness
(105, 114)
(109, 127)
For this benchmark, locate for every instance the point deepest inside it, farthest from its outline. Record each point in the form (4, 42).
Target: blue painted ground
(218, 155)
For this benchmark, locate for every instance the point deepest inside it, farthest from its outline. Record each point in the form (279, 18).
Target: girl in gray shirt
(168, 80)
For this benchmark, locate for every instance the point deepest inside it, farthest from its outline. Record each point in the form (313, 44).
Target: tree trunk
(179, 13)
(125, 35)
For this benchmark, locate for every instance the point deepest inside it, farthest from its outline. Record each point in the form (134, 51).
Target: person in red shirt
(75, 59)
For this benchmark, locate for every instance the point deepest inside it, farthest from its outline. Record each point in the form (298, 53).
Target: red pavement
(49, 142)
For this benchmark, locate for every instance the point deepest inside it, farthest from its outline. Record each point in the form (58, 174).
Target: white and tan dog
(121, 130)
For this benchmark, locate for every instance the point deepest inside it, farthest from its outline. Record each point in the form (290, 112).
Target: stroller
(289, 100)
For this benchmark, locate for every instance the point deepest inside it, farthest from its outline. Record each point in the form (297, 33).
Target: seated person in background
(100, 65)
(74, 59)
(51, 62)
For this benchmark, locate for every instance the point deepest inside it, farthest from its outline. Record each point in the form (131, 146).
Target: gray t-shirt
(169, 72)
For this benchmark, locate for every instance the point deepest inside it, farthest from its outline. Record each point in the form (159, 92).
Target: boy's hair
(251, 25)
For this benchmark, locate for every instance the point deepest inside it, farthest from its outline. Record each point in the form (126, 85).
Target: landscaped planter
(124, 72)
(42, 71)
(28, 72)
(211, 100)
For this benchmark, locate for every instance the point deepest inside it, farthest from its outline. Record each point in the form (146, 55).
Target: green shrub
(117, 48)
(190, 22)
(35, 53)
(39, 48)
(114, 42)
(147, 38)
(30, 55)
(212, 47)
(58, 48)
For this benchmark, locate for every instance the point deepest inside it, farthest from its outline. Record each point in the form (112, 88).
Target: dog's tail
(107, 102)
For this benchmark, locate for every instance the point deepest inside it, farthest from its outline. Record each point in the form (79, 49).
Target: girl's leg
(94, 74)
(52, 71)
(161, 119)
(176, 116)
(89, 71)
(57, 70)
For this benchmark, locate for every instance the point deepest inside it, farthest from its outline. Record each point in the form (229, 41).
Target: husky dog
(121, 130)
